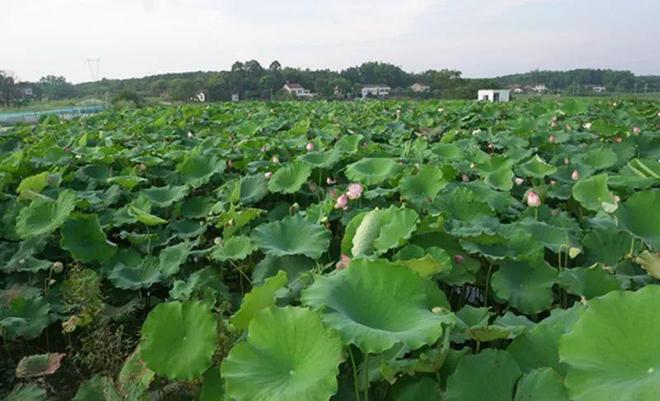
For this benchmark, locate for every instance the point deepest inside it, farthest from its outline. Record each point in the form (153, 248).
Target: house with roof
(539, 88)
(419, 87)
(494, 95)
(297, 90)
(375, 90)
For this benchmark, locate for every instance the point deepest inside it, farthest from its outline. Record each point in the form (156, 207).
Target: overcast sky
(134, 38)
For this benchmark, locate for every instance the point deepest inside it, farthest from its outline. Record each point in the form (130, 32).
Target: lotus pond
(314, 251)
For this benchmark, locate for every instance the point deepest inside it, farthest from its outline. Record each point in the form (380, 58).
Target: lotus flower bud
(268, 174)
(519, 181)
(309, 147)
(275, 159)
(618, 139)
(566, 160)
(472, 165)
(217, 241)
(458, 259)
(330, 181)
(230, 163)
(465, 178)
(554, 119)
(190, 134)
(438, 310)
(553, 124)
(344, 262)
(354, 191)
(264, 149)
(58, 267)
(440, 110)
(586, 125)
(342, 202)
(533, 199)
(552, 139)
(637, 130)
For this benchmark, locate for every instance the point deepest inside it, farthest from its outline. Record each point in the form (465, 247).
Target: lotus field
(314, 251)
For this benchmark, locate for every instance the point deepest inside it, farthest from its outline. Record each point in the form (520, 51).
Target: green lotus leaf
(289, 355)
(197, 170)
(134, 377)
(556, 238)
(196, 207)
(127, 182)
(179, 339)
(213, 387)
(289, 179)
(606, 246)
(294, 266)
(600, 158)
(415, 389)
(98, 388)
(144, 216)
(32, 185)
(592, 193)
(39, 365)
(612, 351)
(44, 215)
(526, 286)
(376, 305)
(536, 167)
(257, 299)
(500, 179)
(129, 270)
(645, 168)
(539, 346)
(638, 215)
(203, 284)
(252, 188)
(165, 196)
(588, 282)
(321, 159)
(84, 238)
(22, 314)
(423, 186)
(464, 204)
(425, 262)
(372, 171)
(349, 143)
(649, 262)
(542, 384)
(27, 392)
(489, 375)
(187, 228)
(233, 248)
(292, 235)
(171, 258)
(379, 230)
(94, 173)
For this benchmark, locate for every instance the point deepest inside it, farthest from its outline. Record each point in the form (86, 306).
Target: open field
(307, 251)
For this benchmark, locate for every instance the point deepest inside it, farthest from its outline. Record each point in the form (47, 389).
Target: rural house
(539, 88)
(420, 87)
(494, 95)
(377, 90)
(297, 90)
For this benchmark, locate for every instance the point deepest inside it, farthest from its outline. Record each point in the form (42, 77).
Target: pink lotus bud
(309, 147)
(268, 174)
(344, 262)
(465, 178)
(330, 181)
(575, 175)
(342, 202)
(519, 181)
(458, 259)
(637, 130)
(354, 191)
(552, 139)
(275, 159)
(533, 199)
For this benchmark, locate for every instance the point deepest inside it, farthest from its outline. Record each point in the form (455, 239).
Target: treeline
(251, 80)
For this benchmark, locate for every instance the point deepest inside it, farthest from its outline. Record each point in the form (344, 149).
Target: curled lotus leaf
(289, 179)
(292, 235)
(45, 215)
(639, 216)
(197, 170)
(372, 171)
(84, 238)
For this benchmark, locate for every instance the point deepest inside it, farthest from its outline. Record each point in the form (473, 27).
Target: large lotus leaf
(423, 186)
(588, 282)
(639, 216)
(464, 204)
(592, 193)
(257, 299)
(555, 238)
(536, 167)
(599, 158)
(289, 179)
(397, 227)
(542, 384)
(613, 351)
(22, 315)
(179, 339)
(372, 171)
(32, 185)
(98, 388)
(233, 248)
(129, 270)
(425, 262)
(203, 284)
(165, 196)
(489, 375)
(45, 215)
(349, 143)
(294, 266)
(606, 246)
(93, 173)
(142, 212)
(500, 179)
(252, 188)
(39, 365)
(197, 207)
(379, 230)
(321, 159)
(197, 170)
(377, 304)
(83, 236)
(289, 355)
(526, 286)
(171, 258)
(292, 235)
(645, 168)
(213, 387)
(26, 392)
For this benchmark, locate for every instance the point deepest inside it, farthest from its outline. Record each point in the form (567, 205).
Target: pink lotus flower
(354, 191)
(519, 181)
(309, 147)
(268, 174)
(330, 181)
(637, 130)
(344, 262)
(342, 202)
(575, 175)
(533, 199)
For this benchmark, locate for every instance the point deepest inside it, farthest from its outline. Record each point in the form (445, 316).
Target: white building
(297, 90)
(598, 89)
(494, 95)
(539, 88)
(377, 90)
(420, 87)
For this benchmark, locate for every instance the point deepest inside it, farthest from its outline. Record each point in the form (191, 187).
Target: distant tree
(275, 66)
(181, 89)
(7, 88)
(56, 87)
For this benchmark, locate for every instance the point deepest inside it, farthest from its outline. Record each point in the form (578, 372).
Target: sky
(481, 38)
